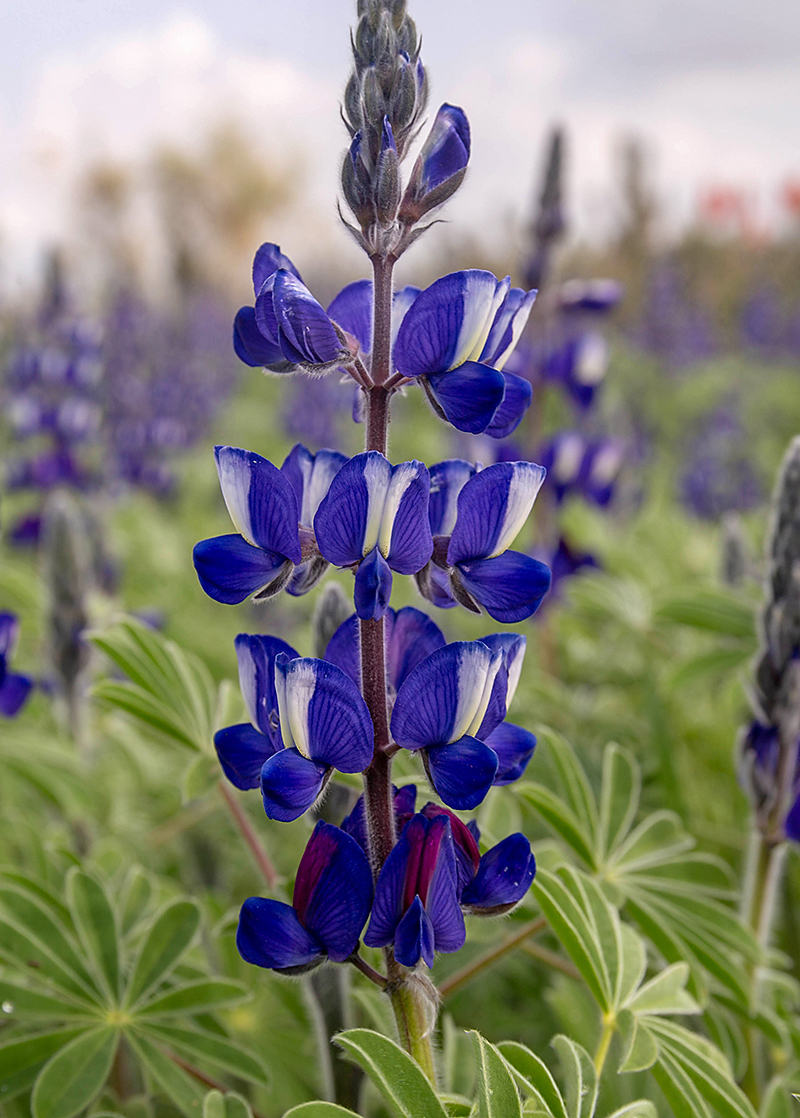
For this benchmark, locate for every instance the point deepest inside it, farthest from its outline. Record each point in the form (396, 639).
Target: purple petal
(446, 149)
(462, 772)
(333, 890)
(268, 260)
(230, 570)
(306, 576)
(468, 396)
(445, 696)
(14, 692)
(290, 784)
(242, 751)
(516, 401)
(507, 327)
(343, 648)
(434, 585)
(373, 586)
(256, 657)
(410, 544)
(492, 508)
(447, 324)
(792, 824)
(598, 296)
(306, 333)
(341, 520)
(504, 875)
(414, 937)
(270, 935)
(260, 500)
(509, 587)
(514, 747)
(465, 845)
(441, 902)
(512, 646)
(448, 478)
(310, 476)
(352, 310)
(9, 633)
(323, 714)
(387, 907)
(253, 348)
(411, 637)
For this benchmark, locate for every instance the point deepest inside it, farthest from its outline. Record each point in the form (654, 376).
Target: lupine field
(412, 730)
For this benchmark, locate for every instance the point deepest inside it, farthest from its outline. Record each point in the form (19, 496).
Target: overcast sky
(713, 86)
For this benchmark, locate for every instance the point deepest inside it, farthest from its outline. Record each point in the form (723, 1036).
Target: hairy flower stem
(245, 827)
(413, 1007)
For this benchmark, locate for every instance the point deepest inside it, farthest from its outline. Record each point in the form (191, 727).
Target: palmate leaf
(207, 1047)
(96, 924)
(167, 1077)
(22, 1059)
(318, 1109)
(169, 935)
(714, 611)
(229, 1105)
(694, 1075)
(200, 996)
(75, 1075)
(169, 689)
(397, 1076)
(497, 1095)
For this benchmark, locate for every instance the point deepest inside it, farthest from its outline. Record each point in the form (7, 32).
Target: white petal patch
(458, 474)
(494, 667)
(235, 471)
(295, 686)
(377, 476)
(479, 306)
(514, 667)
(474, 662)
(526, 481)
(323, 470)
(247, 679)
(606, 465)
(517, 326)
(568, 456)
(402, 476)
(592, 360)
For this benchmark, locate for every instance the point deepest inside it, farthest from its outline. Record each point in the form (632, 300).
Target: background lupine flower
(310, 475)
(548, 225)
(491, 508)
(14, 688)
(330, 905)
(416, 901)
(588, 468)
(375, 518)
(456, 338)
(566, 561)
(262, 504)
(512, 744)
(324, 725)
(761, 756)
(242, 749)
(445, 709)
(719, 475)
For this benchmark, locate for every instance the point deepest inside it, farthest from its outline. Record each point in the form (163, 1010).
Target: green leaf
(194, 997)
(703, 1064)
(136, 893)
(575, 786)
(187, 1095)
(579, 1075)
(168, 937)
(200, 776)
(534, 1077)
(229, 1105)
(665, 993)
(97, 928)
(619, 798)
(497, 1095)
(199, 1044)
(319, 1110)
(21, 1001)
(713, 611)
(560, 818)
(75, 1075)
(777, 1102)
(721, 662)
(399, 1079)
(21, 1060)
(457, 1106)
(639, 1049)
(640, 1109)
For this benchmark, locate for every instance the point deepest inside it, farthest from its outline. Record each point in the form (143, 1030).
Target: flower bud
(387, 179)
(441, 166)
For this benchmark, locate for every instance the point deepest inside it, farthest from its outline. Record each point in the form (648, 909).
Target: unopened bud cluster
(383, 102)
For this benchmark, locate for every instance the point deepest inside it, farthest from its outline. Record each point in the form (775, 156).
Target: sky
(710, 86)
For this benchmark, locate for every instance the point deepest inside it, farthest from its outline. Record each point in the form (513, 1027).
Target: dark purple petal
(444, 323)
(448, 478)
(352, 310)
(446, 149)
(514, 747)
(253, 348)
(492, 508)
(414, 937)
(509, 587)
(306, 333)
(355, 823)
(260, 500)
(343, 647)
(411, 542)
(256, 655)
(434, 584)
(14, 692)
(516, 402)
(468, 396)
(268, 260)
(792, 825)
(333, 890)
(290, 784)
(9, 633)
(323, 714)
(373, 586)
(270, 935)
(310, 476)
(441, 902)
(242, 751)
(341, 519)
(462, 772)
(306, 576)
(230, 570)
(387, 907)
(465, 845)
(504, 875)
(411, 637)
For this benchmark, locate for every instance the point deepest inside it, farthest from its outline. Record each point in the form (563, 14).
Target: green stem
(609, 1026)
(461, 977)
(415, 1015)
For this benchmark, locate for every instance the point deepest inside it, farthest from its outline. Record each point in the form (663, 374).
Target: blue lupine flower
(513, 745)
(351, 309)
(492, 884)
(761, 759)
(594, 296)
(445, 709)
(310, 475)
(566, 561)
(576, 465)
(242, 749)
(456, 338)
(410, 636)
(253, 347)
(375, 518)
(14, 688)
(416, 906)
(491, 508)
(330, 905)
(324, 725)
(580, 365)
(264, 509)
